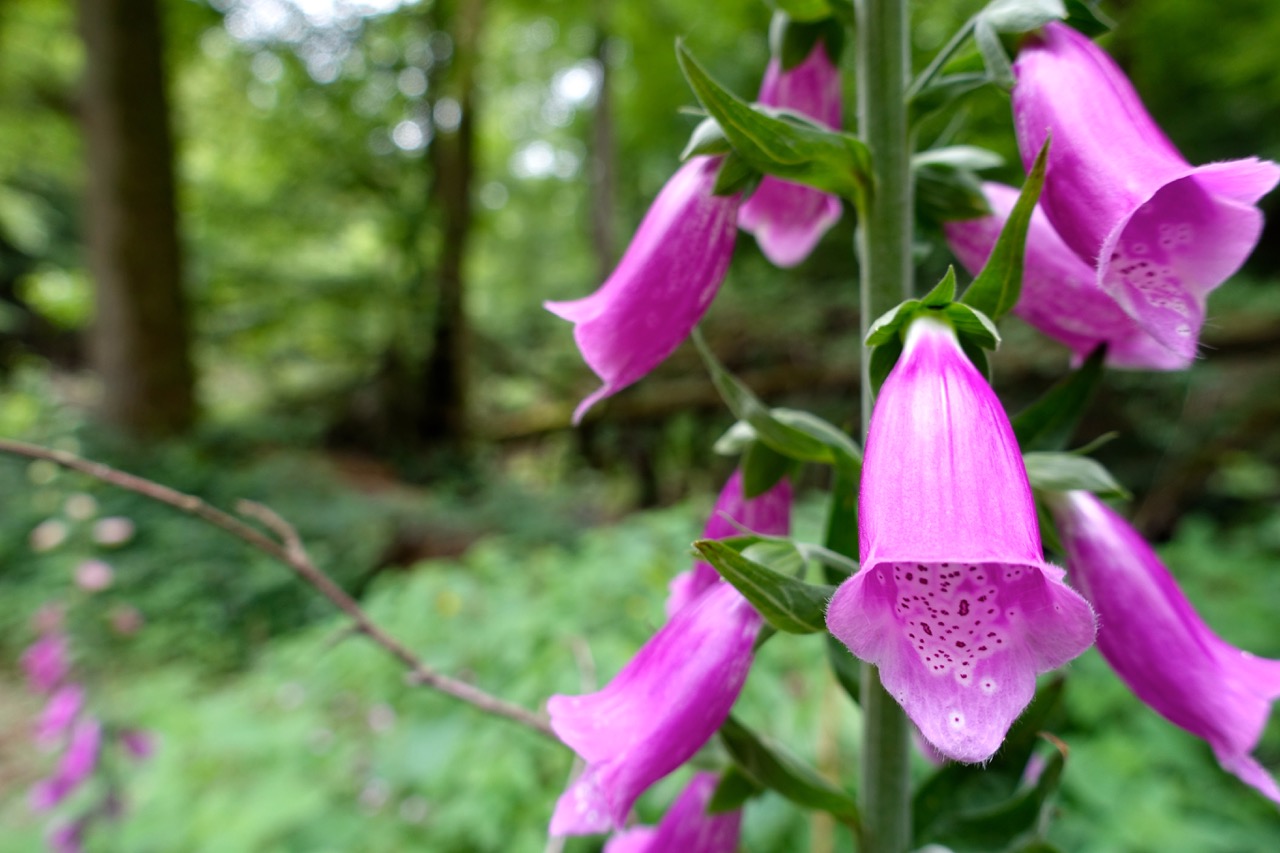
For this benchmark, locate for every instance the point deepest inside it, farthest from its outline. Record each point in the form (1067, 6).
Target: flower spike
(663, 285)
(1160, 232)
(954, 602)
(1159, 645)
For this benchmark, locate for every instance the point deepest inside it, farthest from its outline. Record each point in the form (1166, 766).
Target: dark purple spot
(927, 630)
(964, 607)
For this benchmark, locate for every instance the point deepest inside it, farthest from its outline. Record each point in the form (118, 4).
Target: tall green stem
(884, 248)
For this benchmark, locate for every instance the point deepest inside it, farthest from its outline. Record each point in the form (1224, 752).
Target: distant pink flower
(768, 514)
(954, 602)
(686, 827)
(1060, 292)
(657, 712)
(94, 575)
(45, 662)
(59, 713)
(113, 530)
(139, 744)
(67, 837)
(788, 219)
(1160, 646)
(47, 535)
(663, 285)
(1160, 232)
(76, 765)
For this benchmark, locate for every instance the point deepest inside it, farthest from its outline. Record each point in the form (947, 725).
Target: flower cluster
(1133, 238)
(66, 725)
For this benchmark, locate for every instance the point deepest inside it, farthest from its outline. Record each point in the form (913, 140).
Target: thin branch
(292, 554)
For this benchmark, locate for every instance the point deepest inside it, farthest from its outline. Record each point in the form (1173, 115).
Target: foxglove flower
(954, 602)
(663, 285)
(768, 514)
(45, 662)
(1161, 233)
(686, 827)
(1159, 645)
(59, 713)
(788, 219)
(657, 712)
(1060, 292)
(76, 765)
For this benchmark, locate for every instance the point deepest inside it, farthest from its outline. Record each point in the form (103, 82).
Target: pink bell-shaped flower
(788, 219)
(1159, 646)
(657, 712)
(76, 765)
(663, 285)
(1160, 232)
(1060, 292)
(768, 514)
(59, 713)
(686, 827)
(954, 602)
(678, 689)
(45, 662)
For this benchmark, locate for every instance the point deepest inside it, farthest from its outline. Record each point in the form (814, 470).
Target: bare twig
(289, 551)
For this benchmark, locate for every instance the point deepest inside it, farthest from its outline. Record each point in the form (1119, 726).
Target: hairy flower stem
(884, 248)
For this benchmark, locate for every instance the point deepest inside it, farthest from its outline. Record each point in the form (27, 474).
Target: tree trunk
(445, 374)
(139, 343)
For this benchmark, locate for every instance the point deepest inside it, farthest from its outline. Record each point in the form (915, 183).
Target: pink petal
(789, 219)
(657, 712)
(1159, 645)
(663, 285)
(768, 514)
(686, 827)
(1162, 233)
(954, 602)
(1060, 293)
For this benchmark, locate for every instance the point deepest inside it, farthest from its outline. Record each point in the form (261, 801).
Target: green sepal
(732, 791)
(735, 176)
(707, 140)
(1065, 472)
(795, 434)
(947, 185)
(791, 40)
(762, 468)
(788, 604)
(994, 57)
(1021, 16)
(974, 329)
(772, 766)
(1085, 16)
(781, 143)
(1048, 423)
(998, 285)
(959, 797)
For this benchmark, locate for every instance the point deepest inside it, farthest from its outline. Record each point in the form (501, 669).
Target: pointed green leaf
(1048, 423)
(997, 286)
(772, 766)
(736, 439)
(787, 604)
(797, 435)
(969, 157)
(1021, 16)
(1063, 472)
(780, 555)
(888, 325)
(783, 144)
(732, 791)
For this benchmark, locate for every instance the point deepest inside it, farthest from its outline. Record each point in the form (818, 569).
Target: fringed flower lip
(1160, 233)
(1060, 293)
(1157, 643)
(663, 285)
(789, 219)
(954, 602)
